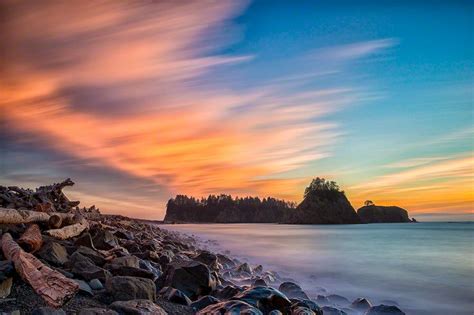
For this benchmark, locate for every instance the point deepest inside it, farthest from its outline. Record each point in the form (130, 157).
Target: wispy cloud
(355, 50)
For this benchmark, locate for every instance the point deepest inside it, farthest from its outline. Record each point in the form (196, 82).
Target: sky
(138, 101)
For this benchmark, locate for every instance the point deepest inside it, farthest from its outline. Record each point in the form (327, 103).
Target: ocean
(426, 268)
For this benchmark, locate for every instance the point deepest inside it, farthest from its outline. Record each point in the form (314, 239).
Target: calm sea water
(427, 268)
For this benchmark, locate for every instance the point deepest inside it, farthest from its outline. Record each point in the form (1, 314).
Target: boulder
(293, 291)
(338, 300)
(209, 259)
(264, 298)
(48, 311)
(96, 311)
(227, 292)
(85, 268)
(301, 310)
(96, 257)
(259, 283)
(308, 304)
(203, 302)
(7, 270)
(152, 267)
(84, 288)
(384, 310)
(193, 278)
(54, 253)
(361, 304)
(120, 270)
(381, 214)
(245, 267)
(329, 310)
(174, 296)
(230, 307)
(130, 288)
(104, 239)
(130, 261)
(137, 307)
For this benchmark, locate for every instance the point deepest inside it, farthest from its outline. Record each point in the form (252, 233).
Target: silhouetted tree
(369, 203)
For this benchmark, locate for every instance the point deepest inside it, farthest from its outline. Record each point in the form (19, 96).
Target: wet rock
(227, 292)
(174, 295)
(292, 290)
(203, 302)
(225, 261)
(230, 307)
(103, 239)
(275, 312)
(258, 269)
(48, 311)
(85, 268)
(137, 307)
(96, 257)
(338, 300)
(384, 310)
(123, 234)
(322, 300)
(264, 298)
(54, 253)
(301, 310)
(130, 288)
(7, 270)
(209, 259)
(259, 283)
(361, 304)
(245, 267)
(6, 287)
(329, 310)
(308, 304)
(192, 278)
(154, 268)
(120, 270)
(130, 261)
(97, 311)
(84, 287)
(95, 284)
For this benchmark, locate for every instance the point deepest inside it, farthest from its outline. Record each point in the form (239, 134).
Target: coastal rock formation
(324, 203)
(381, 214)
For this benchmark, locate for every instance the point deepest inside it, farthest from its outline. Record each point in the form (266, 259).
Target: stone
(96, 311)
(258, 269)
(361, 304)
(384, 310)
(96, 257)
(120, 270)
(137, 307)
(174, 296)
(130, 288)
(130, 261)
(7, 270)
(322, 300)
(209, 259)
(104, 239)
(84, 287)
(48, 311)
(308, 304)
(204, 302)
(265, 299)
(338, 300)
(275, 312)
(85, 239)
(293, 291)
(54, 253)
(6, 287)
(259, 283)
(230, 307)
(152, 267)
(95, 284)
(85, 268)
(301, 310)
(227, 292)
(193, 278)
(245, 267)
(329, 310)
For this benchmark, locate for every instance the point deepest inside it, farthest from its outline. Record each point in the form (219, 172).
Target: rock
(275, 312)
(85, 239)
(97, 311)
(308, 304)
(84, 287)
(48, 311)
(96, 257)
(174, 295)
(6, 287)
(381, 214)
(130, 288)
(301, 310)
(264, 298)
(338, 300)
(154, 268)
(259, 283)
(123, 234)
(293, 291)
(85, 268)
(244, 268)
(258, 269)
(203, 302)
(227, 292)
(54, 253)
(103, 239)
(209, 259)
(322, 300)
(384, 310)
(119, 270)
(230, 307)
(137, 307)
(361, 304)
(95, 284)
(193, 278)
(329, 310)
(130, 261)
(225, 261)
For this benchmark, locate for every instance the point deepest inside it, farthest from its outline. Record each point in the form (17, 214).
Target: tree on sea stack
(323, 203)
(369, 203)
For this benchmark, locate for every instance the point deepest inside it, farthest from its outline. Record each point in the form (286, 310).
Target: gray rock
(151, 267)
(84, 287)
(130, 261)
(259, 283)
(174, 295)
(120, 270)
(130, 288)
(54, 253)
(137, 307)
(361, 304)
(48, 311)
(384, 310)
(95, 284)
(329, 310)
(230, 307)
(96, 257)
(338, 300)
(308, 304)
(245, 267)
(301, 310)
(103, 239)
(204, 302)
(264, 298)
(293, 291)
(97, 311)
(85, 268)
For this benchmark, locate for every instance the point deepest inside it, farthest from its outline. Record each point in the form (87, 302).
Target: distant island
(323, 203)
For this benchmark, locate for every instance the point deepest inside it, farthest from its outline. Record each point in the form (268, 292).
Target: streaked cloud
(356, 50)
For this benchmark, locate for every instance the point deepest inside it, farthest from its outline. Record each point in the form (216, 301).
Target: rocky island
(323, 203)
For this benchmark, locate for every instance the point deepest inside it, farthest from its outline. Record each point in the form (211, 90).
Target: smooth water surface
(427, 268)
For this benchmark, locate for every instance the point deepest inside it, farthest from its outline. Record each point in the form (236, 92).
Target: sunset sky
(138, 101)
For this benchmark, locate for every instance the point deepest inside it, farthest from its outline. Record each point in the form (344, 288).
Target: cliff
(381, 214)
(324, 207)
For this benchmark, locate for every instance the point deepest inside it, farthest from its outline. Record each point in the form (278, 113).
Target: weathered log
(51, 285)
(55, 221)
(31, 240)
(13, 216)
(70, 230)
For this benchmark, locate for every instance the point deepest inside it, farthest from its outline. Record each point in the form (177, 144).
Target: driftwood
(44, 199)
(71, 230)
(31, 240)
(51, 285)
(13, 216)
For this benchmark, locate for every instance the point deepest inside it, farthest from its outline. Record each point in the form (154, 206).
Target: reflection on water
(428, 268)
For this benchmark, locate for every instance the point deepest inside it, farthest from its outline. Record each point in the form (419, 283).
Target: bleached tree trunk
(31, 240)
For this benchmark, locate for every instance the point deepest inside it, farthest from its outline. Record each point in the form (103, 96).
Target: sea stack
(380, 214)
(323, 203)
